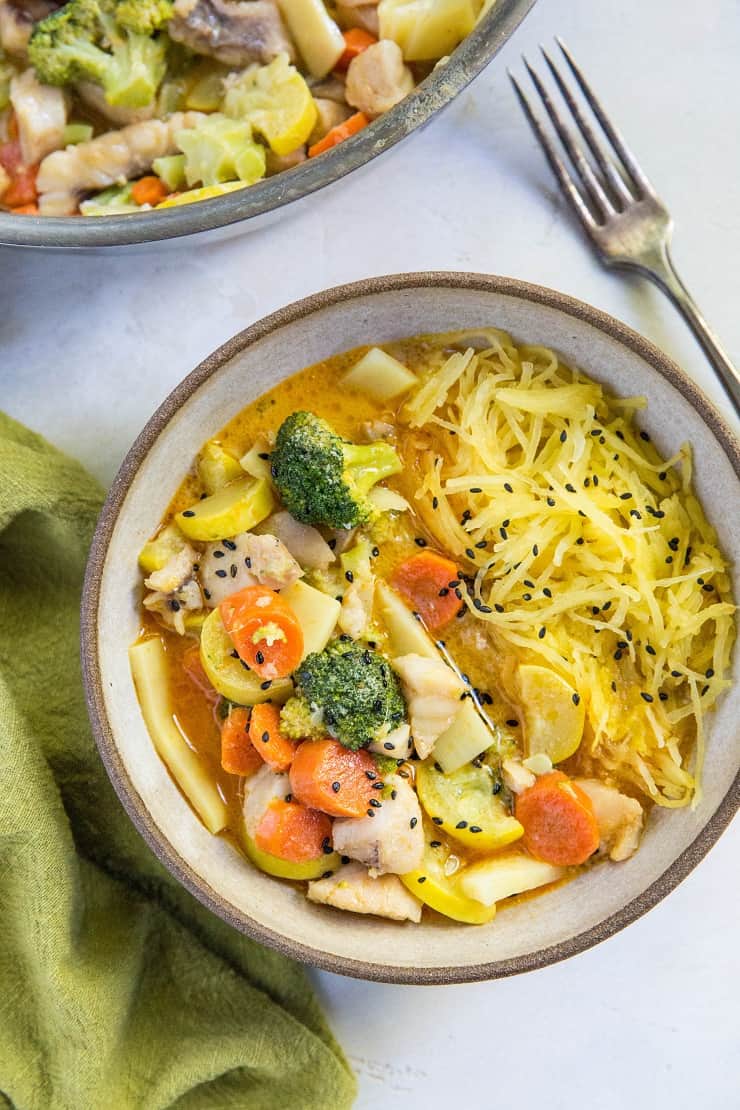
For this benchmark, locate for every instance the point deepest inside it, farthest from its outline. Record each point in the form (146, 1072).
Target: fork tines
(609, 181)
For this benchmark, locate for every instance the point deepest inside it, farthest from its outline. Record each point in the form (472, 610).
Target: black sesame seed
(646, 697)
(345, 859)
(617, 655)
(650, 649)
(625, 497)
(512, 723)
(662, 696)
(248, 563)
(349, 576)
(327, 875)
(219, 554)
(229, 545)
(709, 672)
(259, 657)
(412, 823)
(481, 544)
(336, 787)
(266, 684)
(422, 879)
(570, 487)
(207, 595)
(326, 847)
(232, 570)
(375, 803)
(675, 674)
(437, 820)
(475, 829)
(420, 541)
(576, 699)
(221, 574)
(189, 512)
(394, 793)
(265, 737)
(596, 479)
(435, 843)
(547, 591)
(551, 502)
(635, 514)
(526, 597)
(263, 455)
(508, 487)
(563, 436)
(535, 550)
(461, 825)
(541, 633)
(645, 436)
(498, 608)
(620, 435)
(476, 489)
(580, 541)
(469, 552)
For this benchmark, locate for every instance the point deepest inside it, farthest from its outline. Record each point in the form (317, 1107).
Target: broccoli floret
(105, 42)
(298, 721)
(322, 478)
(355, 688)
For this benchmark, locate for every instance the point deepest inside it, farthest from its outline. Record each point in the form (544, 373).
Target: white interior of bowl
(524, 928)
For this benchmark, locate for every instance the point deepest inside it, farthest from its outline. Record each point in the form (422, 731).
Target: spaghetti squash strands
(584, 550)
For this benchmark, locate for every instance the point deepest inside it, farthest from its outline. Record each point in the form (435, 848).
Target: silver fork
(619, 209)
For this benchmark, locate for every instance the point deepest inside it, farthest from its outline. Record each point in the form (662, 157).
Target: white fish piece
(353, 888)
(378, 78)
(516, 776)
(41, 114)
(357, 608)
(305, 543)
(396, 745)
(432, 691)
(175, 591)
(260, 789)
(246, 560)
(392, 840)
(620, 818)
(112, 158)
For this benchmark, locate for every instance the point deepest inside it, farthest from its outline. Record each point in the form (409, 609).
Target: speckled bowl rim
(272, 194)
(156, 840)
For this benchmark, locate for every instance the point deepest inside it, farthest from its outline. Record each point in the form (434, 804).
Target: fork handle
(660, 268)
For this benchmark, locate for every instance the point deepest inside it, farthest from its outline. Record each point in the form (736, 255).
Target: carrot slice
(193, 668)
(424, 582)
(11, 158)
(238, 755)
(339, 133)
(22, 189)
(356, 40)
(292, 832)
(327, 776)
(264, 630)
(559, 822)
(268, 740)
(149, 190)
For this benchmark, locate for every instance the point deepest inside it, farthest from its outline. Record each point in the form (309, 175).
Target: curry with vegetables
(109, 107)
(432, 625)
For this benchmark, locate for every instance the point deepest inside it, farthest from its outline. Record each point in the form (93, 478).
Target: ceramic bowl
(249, 209)
(525, 936)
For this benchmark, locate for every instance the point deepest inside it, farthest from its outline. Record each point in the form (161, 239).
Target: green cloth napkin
(118, 989)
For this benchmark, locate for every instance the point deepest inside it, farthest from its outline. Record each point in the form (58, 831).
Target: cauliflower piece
(353, 888)
(392, 840)
(377, 79)
(620, 818)
(41, 114)
(432, 691)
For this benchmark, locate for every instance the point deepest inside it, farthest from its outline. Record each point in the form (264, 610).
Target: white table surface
(89, 345)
